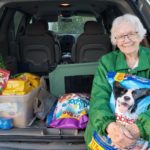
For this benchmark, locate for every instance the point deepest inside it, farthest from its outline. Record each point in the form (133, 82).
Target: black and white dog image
(127, 99)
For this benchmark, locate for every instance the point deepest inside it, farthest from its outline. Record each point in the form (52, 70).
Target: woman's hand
(134, 130)
(120, 136)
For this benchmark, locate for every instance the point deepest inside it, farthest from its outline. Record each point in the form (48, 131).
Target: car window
(71, 25)
(144, 7)
(17, 19)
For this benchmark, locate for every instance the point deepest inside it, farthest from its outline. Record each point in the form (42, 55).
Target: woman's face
(127, 38)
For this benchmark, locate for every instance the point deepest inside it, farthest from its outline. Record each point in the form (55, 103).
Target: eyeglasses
(131, 36)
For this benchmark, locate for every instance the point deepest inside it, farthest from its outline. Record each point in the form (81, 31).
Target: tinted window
(144, 7)
(71, 25)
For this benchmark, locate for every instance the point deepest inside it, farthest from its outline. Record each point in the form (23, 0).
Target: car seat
(37, 49)
(92, 43)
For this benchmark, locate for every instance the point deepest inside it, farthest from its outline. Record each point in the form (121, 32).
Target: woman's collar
(143, 61)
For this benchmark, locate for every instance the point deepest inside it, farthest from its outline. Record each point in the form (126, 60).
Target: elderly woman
(127, 32)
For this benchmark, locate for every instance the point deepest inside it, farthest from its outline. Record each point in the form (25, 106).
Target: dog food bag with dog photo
(71, 111)
(133, 89)
(130, 97)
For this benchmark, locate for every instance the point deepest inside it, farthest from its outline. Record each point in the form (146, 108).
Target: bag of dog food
(130, 97)
(71, 111)
(135, 89)
(100, 143)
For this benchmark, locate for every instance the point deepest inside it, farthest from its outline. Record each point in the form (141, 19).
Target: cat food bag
(71, 111)
(130, 97)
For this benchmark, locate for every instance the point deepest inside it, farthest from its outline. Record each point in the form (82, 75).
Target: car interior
(53, 39)
(37, 49)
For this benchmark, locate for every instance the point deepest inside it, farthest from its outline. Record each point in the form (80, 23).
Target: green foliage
(73, 26)
(2, 64)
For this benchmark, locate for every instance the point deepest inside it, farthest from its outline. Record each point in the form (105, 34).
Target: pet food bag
(100, 143)
(138, 85)
(33, 79)
(71, 111)
(4, 76)
(17, 87)
(130, 97)
(22, 84)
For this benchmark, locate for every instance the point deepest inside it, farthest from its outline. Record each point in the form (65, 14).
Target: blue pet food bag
(129, 98)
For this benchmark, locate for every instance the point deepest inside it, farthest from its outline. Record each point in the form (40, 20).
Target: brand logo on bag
(124, 119)
(119, 77)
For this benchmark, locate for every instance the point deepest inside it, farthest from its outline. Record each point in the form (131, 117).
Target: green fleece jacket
(100, 114)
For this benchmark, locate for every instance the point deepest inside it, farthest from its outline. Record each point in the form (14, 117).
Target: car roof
(51, 9)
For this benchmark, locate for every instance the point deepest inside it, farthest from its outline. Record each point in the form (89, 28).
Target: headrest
(93, 27)
(37, 28)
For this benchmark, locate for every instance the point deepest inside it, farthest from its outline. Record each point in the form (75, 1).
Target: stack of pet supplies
(19, 85)
(16, 98)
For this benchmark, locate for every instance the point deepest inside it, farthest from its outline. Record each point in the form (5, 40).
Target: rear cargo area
(61, 44)
(28, 128)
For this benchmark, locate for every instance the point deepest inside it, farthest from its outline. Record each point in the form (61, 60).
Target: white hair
(134, 20)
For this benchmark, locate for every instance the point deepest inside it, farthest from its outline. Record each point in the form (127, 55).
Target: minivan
(61, 41)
